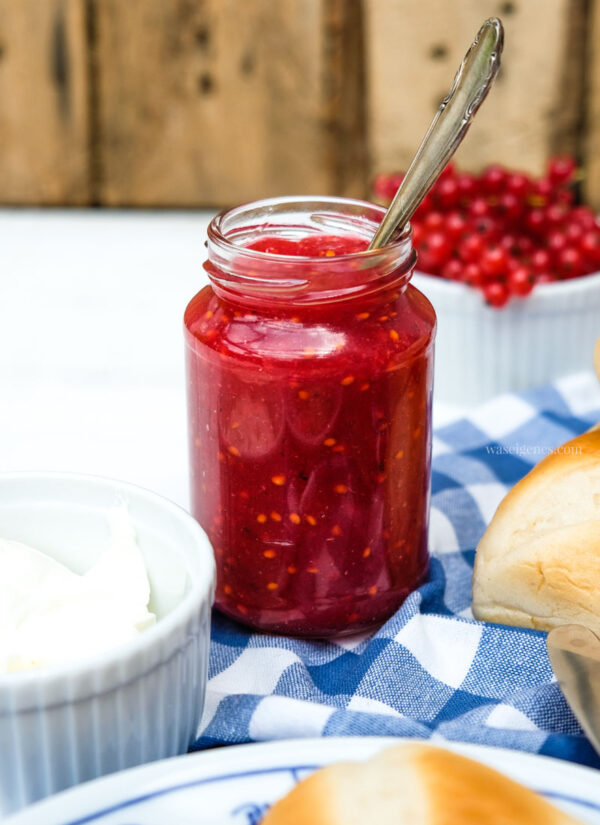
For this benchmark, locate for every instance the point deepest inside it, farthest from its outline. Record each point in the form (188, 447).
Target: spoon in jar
(449, 126)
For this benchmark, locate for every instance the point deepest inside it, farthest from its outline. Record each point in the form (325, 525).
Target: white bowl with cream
(140, 698)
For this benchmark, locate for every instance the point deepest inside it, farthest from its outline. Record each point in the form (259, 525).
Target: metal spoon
(471, 84)
(574, 653)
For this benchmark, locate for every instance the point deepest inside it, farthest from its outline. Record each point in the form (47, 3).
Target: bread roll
(538, 563)
(412, 784)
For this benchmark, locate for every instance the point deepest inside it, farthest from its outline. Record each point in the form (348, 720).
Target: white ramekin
(136, 703)
(481, 352)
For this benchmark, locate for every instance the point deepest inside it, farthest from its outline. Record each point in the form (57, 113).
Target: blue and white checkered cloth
(431, 671)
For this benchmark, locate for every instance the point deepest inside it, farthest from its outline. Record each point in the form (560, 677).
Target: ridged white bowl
(138, 702)
(481, 352)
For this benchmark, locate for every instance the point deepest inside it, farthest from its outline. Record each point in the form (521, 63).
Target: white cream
(50, 615)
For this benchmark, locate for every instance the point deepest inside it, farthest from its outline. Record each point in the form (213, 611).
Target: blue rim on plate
(256, 775)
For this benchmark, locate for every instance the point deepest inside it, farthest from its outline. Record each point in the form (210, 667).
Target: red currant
(471, 249)
(535, 221)
(521, 281)
(468, 187)
(519, 185)
(525, 245)
(565, 196)
(425, 206)
(509, 242)
(561, 169)
(512, 263)
(570, 262)
(418, 233)
(434, 251)
(455, 226)
(434, 220)
(557, 241)
(503, 231)
(447, 193)
(510, 207)
(486, 227)
(540, 260)
(590, 247)
(584, 216)
(453, 270)
(542, 192)
(493, 179)
(574, 232)
(386, 186)
(496, 294)
(473, 275)
(479, 208)
(555, 215)
(494, 261)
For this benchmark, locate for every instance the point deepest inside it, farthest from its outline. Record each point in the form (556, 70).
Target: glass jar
(309, 391)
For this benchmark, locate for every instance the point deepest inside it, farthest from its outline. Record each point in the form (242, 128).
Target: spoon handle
(471, 84)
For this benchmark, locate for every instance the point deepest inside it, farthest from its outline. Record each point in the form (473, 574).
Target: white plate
(235, 785)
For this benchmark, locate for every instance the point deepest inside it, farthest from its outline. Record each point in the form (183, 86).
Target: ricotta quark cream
(50, 615)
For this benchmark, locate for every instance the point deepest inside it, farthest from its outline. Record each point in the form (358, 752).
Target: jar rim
(255, 275)
(217, 235)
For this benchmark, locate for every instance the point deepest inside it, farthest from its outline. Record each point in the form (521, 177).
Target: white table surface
(91, 344)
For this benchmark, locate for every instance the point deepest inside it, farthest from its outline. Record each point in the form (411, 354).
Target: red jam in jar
(309, 363)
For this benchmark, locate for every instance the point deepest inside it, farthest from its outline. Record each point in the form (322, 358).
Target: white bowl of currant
(511, 265)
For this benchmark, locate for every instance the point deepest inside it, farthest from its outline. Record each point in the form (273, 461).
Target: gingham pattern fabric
(431, 671)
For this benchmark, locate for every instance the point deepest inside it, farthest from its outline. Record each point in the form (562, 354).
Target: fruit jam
(309, 387)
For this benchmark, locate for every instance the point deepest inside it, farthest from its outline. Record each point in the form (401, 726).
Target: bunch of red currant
(501, 231)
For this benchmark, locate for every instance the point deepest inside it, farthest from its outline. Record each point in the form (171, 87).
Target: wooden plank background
(212, 102)
(533, 109)
(44, 126)
(224, 99)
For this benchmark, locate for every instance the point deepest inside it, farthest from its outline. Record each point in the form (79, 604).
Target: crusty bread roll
(412, 784)
(538, 563)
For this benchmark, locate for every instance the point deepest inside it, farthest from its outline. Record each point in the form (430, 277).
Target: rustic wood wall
(534, 107)
(44, 102)
(211, 102)
(222, 99)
